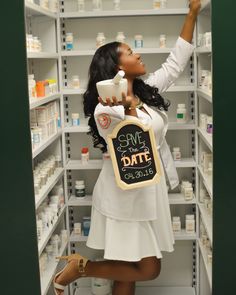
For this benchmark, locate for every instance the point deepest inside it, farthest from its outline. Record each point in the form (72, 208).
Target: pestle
(118, 77)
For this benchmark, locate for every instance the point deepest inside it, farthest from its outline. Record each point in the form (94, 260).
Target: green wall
(224, 106)
(19, 273)
(19, 260)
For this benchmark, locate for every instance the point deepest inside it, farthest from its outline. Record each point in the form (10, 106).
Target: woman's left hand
(195, 6)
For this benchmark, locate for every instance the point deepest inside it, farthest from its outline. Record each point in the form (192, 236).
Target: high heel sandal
(82, 261)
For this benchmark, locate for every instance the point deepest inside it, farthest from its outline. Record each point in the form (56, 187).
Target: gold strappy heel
(82, 261)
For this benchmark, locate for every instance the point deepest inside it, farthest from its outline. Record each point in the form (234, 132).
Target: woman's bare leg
(146, 269)
(124, 288)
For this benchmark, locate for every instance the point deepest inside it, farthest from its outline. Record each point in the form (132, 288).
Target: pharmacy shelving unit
(44, 65)
(204, 144)
(185, 271)
(183, 279)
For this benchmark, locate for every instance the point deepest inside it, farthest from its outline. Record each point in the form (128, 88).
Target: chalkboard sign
(134, 155)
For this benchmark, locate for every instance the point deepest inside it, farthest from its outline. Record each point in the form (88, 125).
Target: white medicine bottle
(176, 224)
(181, 113)
(101, 39)
(97, 5)
(81, 6)
(190, 223)
(120, 37)
(116, 4)
(176, 154)
(162, 41)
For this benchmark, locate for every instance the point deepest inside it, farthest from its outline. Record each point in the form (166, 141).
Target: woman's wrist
(193, 14)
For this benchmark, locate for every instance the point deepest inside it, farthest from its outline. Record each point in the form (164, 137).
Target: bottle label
(180, 116)
(69, 46)
(138, 43)
(75, 122)
(80, 192)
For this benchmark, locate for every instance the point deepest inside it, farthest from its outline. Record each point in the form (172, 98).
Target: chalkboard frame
(145, 128)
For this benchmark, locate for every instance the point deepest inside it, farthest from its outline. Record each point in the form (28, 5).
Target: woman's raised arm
(178, 58)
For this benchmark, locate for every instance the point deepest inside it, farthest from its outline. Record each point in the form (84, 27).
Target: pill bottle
(69, 41)
(49, 251)
(120, 37)
(86, 225)
(75, 82)
(176, 224)
(116, 4)
(53, 5)
(55, 245)
(156, 4)
(64, 236)
(100, 40)
(81, 6)
(138, 41)
(97, 5)
(209, 125)
(75, 119)
(44, 4)
(84, 155)
(162, 41)
(32, 86)
(203, 122)
(80, 190)
(190, 223)
(176, 154)
(188, 192)
(181, 113)
(77, 228)
(163, 4)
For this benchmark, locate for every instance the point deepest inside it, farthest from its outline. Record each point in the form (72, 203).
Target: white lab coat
(108, 198)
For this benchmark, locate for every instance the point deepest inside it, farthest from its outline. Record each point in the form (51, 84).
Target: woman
(133, 226)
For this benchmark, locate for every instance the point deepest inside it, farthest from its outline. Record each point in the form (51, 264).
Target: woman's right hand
(195, 6)
(127, 101)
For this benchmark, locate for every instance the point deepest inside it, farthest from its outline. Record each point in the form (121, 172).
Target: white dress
(131, 240)
(133, 224)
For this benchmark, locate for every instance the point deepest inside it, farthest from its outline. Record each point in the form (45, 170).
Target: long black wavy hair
(105, 65)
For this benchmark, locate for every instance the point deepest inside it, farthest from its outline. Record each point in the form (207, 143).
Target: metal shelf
(77, 165)
(46, 143)
(207, 266)
(48, 275)
(181, 126)
(174, 199)
(71, 91)
(47, 235)
(83, 127)
(205, 181)
(77, 202)
(33, 9)
(41, 55)
(97, 164)
(182, 236)
(90, 52)
(206, 137)
(178, 199)
(181, 88)
(148, 291)
(185, 163)
(203, 50)
(176, 88)
(204, 94)
(36, 102)
(123, 13)
(48, 187)
(207, 221)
